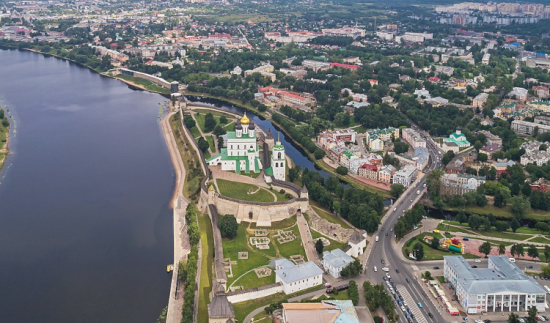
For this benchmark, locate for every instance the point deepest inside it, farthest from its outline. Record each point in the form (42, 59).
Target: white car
(477, 260)
(375, 269)
(394, 209)
(388, 275)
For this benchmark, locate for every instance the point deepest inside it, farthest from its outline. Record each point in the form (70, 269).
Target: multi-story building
(519, 93)
(413, 138)
(376, 137)
(486, 58)
(458, 138)
(489, 150)
(533, 154)
(528, 128)
(502, 287)
(459, 184)
(543, 106)
(368, 171)
(316, 66)
(334, 261)
(480, 100)
(542, 120)
(491, 138)
(404, 176)
(296, 277)
(385, 174)
(541, 91)
(294, 98)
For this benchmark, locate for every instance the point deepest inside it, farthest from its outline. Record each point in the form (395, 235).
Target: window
(279, 156)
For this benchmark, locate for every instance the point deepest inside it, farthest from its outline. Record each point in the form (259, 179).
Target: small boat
(169, 268)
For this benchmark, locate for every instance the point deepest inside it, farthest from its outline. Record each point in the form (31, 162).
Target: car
(477, 260)
(386, 234)
(391, 230)
(387, 275)
(407, 280)
(544, 317)
(384, 278)
(474, 266)
(411, 200)
(435, 267)
(486, 321)
(382, 261)
(328, 285)
(430, 315)
(375, 269)
(530, 267)
(403, 211)
(447, 232)
(466, 239)
(397, 271)
(419, 304)
(512, 259)
(403, 309)
(394, 209)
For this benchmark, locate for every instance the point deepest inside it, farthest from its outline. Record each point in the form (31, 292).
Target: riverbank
(4, 137)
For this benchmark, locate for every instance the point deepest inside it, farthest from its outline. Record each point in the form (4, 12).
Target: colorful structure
(453, 245)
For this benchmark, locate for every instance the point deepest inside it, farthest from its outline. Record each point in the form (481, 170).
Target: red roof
(293, 95)
(434, 79)
(369, 167)
(344, 65)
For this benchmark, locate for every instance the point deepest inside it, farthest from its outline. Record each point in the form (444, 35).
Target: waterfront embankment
(179, 204)
(4, 136)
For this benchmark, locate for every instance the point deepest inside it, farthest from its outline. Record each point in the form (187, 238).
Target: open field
(429, 252)
(150, 86)
(207, 245)
(240, 191)
(329, 217)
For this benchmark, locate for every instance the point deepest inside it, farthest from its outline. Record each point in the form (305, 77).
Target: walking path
(179, 203)
(307, 240)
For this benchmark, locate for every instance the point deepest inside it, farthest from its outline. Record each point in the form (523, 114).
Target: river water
(85, 225)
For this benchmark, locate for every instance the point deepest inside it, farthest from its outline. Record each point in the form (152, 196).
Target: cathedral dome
(245, 119)
(251, 127)
(238, 126)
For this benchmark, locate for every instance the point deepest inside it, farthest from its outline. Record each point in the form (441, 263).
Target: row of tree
(187, 271)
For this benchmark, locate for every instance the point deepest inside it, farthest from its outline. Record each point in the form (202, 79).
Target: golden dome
(245, 119)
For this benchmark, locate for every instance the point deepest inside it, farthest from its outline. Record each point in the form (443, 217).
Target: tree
(418, 251)
(514, 225)
(203, 144)
(319, 246)
(502, 225)
(461, 217)
(542, 227)
(520, 206)
(189, 122)
(532, 314)
(223, 120)
(514, 250)
(219, 131)
(448, 157)
(428, 275)
(396, 190)
(482, 157)
(513, 318)
(342, 170)
(209, 122)
(545, 269)
(319, 153)
(435, 243)
(228, 226)
(474, 221)
(352, 269)
(532, 251)
(485, 248)
(520, 250)
(501, 249)
(547, 252)
(353, 292)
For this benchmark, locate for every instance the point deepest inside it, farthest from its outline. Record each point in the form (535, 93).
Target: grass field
(293, 247)
(330, 218)
(429, 252)
(280, 197)
(207, 244)
(240, 191)
(210, 140)
(491, 233)
(145, 83)
(200, 117)
(503, 212)
(333, 243)
(215, 113)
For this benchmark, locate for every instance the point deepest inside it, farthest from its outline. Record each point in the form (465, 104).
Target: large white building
(278, 161)
(502, 287)
(241, 153)
(334, 261)
(404, 176)
(297, 277)
(357, 243)
(413, 138)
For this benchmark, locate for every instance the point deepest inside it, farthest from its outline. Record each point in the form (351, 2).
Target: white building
(405, 175)
(356, 244)
(413, 138)
(502, 287)
(297, 277)
(241, 153)
(334, 261)
(278, 161)
(533, 155)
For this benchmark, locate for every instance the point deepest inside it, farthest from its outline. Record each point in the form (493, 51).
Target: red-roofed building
(293, 98)
(434, 79)
(346, 66)
(373, 82)
(368, 171)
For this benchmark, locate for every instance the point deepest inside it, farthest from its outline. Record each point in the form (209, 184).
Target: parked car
(474, 266)
(530, 267)
(435, 267)
(419, 304)
(477, 260)
(407, 280)
(430, 315)
(397, 271)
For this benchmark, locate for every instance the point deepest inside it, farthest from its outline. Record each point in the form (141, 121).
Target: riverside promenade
(179, 203)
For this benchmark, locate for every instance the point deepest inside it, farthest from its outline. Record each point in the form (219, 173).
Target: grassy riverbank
(4, 136)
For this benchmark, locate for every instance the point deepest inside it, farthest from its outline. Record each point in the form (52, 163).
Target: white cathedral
(242, 153)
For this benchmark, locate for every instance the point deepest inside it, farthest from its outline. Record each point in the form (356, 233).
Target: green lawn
(333, 243)
(250, 280)
(256, 258)
(200, 117)
(214, 113)
(195, 132)
(491, 233)
(503, 212)
(280, 197)
(240, 191)
(293, 247)
(429, 252)
(211, 143)
(330, 218)
(207, 244)
(538, 240)
(145, 83)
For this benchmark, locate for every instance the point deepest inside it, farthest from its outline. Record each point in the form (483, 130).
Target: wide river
(85, 224)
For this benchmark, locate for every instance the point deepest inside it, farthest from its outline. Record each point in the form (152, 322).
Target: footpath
(179, 203)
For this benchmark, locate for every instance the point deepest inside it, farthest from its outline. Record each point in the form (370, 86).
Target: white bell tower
(278, 161)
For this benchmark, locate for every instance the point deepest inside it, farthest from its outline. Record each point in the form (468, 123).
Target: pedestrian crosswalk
(412, 305)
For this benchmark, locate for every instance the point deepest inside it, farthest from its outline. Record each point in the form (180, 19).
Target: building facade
(297, 277)
(334, 261)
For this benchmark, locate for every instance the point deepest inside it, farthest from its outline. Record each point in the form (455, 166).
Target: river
(85, 224)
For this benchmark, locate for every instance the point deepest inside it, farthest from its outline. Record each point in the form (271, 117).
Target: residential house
(533, 154)
(413, 138)
(480, 100)
(297, 277)
(541, 91)
(528, 128)
(368, 171)
(491, 138)
(519, 93)
(460, 184)
(334, 261)
(385, 174)
(455, 166)
(490, 149)
(404, 176)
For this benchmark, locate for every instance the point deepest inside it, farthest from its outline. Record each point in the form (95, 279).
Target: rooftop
(334, 311)
(337, 258)
(290, 273)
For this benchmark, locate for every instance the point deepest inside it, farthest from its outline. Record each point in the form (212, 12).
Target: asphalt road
(406, 282)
